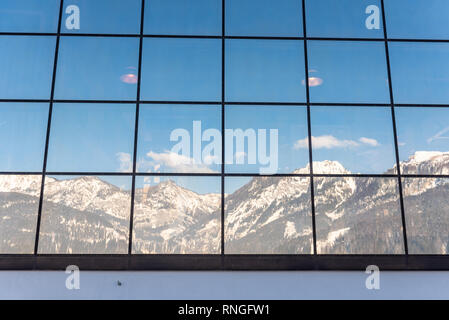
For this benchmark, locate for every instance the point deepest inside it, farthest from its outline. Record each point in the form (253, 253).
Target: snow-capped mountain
(266, 215)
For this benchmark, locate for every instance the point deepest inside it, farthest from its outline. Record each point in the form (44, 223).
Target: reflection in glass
(195, 129)
(94, 68)
(352, 72)
(264, 18)
(177, 215)
(183, 17)
(26, 64)
(352, 140)
(91, 138)
(19, 204)
(268, 215)
(29, 16)
(418, 19)
(358, 216)
(85, 215)
(423, 136)
(427, 215)
(265, 70)
(23, 128)
(181, 69)
(420, 72)
(262, 139)
(105, 16)
(343, 19)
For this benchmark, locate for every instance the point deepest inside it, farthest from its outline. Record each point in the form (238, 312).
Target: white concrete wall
(223, 285)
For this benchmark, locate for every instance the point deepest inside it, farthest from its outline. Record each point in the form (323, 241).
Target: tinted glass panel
(91, 138)
(85, 215)
(427, 215)
(352, 140)
(97, 68)
(19, 204)
(261, 139)
(102, 16)
(420, 72)
(423, 135)
(183, 17)
(347, 71)
(344, 18)
(181, 69)
(26, 65)
(268, 215)
(29, 15)
(23, 128)
(265, 70)
(358, 216)
(419, 19)
(178, 215)
(180, 139)
(264, 18)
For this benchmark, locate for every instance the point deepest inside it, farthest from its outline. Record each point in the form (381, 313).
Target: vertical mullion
(393, 117)
(47, 137)
(223, 42)
(309, 126)
(136, 131)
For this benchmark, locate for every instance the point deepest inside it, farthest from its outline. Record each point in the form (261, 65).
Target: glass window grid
(223, 104)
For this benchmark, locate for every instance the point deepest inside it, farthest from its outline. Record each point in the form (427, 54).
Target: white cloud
(368, 141)
(179, 163)
(126, 164)
(330, 142)
(439, 135)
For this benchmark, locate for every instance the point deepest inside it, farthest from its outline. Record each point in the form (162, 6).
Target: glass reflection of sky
(91, 138)
(342, 18)
(420, 72)
(352, 72)
(422, 129)
(265, 70)
(106, 16)
(29, 15)
(360, 138)
(92, 68)
(22, 136)
(26, 66)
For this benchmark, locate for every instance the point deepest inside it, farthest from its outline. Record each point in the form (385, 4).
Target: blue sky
(100, 137)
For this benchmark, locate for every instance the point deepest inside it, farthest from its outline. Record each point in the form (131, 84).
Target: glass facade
(224, 127)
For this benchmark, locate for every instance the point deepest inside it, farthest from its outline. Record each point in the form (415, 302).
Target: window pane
(103, 16)
(268, 215)
(19, 204)
(262, 139)
(91, 138)
(420, 72)
(348, 71)
(265, 70)
(23, 129)
(179, 139)
(419, 19)
(183, 17)
(85, 215)
(264, 18)
(427, 215)
(181, 69)
(344, 18)
(97, 68)
(29, 16)
(177, 215)
(352, 140)
(423, 140)
(358, 216)
(26, 65)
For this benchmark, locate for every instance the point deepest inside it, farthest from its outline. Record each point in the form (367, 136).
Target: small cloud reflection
(130, 76)
(313, 81)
